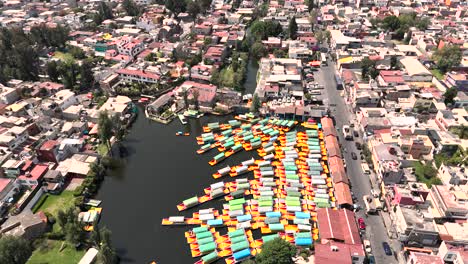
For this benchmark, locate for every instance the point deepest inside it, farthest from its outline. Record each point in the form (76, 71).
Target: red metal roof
(325, 255)
(4, 183)
(343, 193)
(49, 144)
(332, 146)
(36, 173)
(328, 127)
(139, 73)
(338, 225)
(337, 170)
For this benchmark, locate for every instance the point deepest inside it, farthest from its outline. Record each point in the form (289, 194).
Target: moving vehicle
(354, 156)
(387, 249)
(367, 246)
(347, 132)
(355, 133)
(323, 59)
(370, 205)
(358, 146)
(362, 224)
(371, 259)
(365, 168)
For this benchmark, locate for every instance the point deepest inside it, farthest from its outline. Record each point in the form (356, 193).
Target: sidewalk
(391, 232)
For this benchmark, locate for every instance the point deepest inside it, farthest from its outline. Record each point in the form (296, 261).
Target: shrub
(78, 191)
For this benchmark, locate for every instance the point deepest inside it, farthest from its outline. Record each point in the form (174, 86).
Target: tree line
(401, 24)
(19, 52)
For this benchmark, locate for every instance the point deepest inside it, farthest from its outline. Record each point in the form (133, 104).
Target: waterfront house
(119, 105)
(160, 105)
(33, 177)
(25, 224)
(53, 181)
(215, 54)
(76, 166)
(201, 72)
(206, 92)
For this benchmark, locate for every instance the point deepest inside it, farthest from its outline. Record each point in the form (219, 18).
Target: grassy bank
(53, 203)
(49, 252)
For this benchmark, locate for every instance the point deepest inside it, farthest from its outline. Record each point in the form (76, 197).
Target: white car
(367, 245)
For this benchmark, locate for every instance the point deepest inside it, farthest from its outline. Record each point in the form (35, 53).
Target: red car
(361, 223)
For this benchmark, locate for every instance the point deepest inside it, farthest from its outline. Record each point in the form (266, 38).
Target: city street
(360, 184)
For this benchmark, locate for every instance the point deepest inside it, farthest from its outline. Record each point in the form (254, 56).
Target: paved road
(376, 231)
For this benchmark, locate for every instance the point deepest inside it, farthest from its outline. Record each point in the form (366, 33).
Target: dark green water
(161, 171)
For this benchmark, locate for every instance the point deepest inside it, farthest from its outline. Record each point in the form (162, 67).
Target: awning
(314, 63)
(343, 194)
(346, 60)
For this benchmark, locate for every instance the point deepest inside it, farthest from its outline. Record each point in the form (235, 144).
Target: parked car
(371, 259)
(367, 245)
(354, 156)
(387, 249)
(358, 145)
(362, 224)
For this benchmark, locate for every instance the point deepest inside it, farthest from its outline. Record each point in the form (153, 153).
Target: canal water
(160, 172)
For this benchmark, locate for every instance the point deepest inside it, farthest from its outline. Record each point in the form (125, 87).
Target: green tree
(292, 28)
(391, 22)
(193, 8)
(258, 51)
(256, 104)
(394, 63)
(320, 36)
(185, 97)
(312, 5)
(196, 95)
(77, 53)
(105, 128)
(449, 95)
(423, 23)
(264, 29)
(207, 41)
(131, 8)
(368, 69)
(100, 238)
(215, 77)
(205, 4)
(86, 75)
(104, 12)
(279, 53)
(69, 73)
(313, 18)
(175, 6)
(277, 251)
(447, 57)
(14, 250)
(52, 71)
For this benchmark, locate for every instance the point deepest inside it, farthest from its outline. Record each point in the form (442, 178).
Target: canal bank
(160, 171)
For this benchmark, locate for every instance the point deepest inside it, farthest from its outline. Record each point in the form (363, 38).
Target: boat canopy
(240, 255)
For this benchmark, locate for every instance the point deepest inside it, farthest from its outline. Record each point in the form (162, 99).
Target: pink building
(410, 194)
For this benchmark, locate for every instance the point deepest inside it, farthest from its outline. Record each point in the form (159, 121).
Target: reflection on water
(160, 171)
